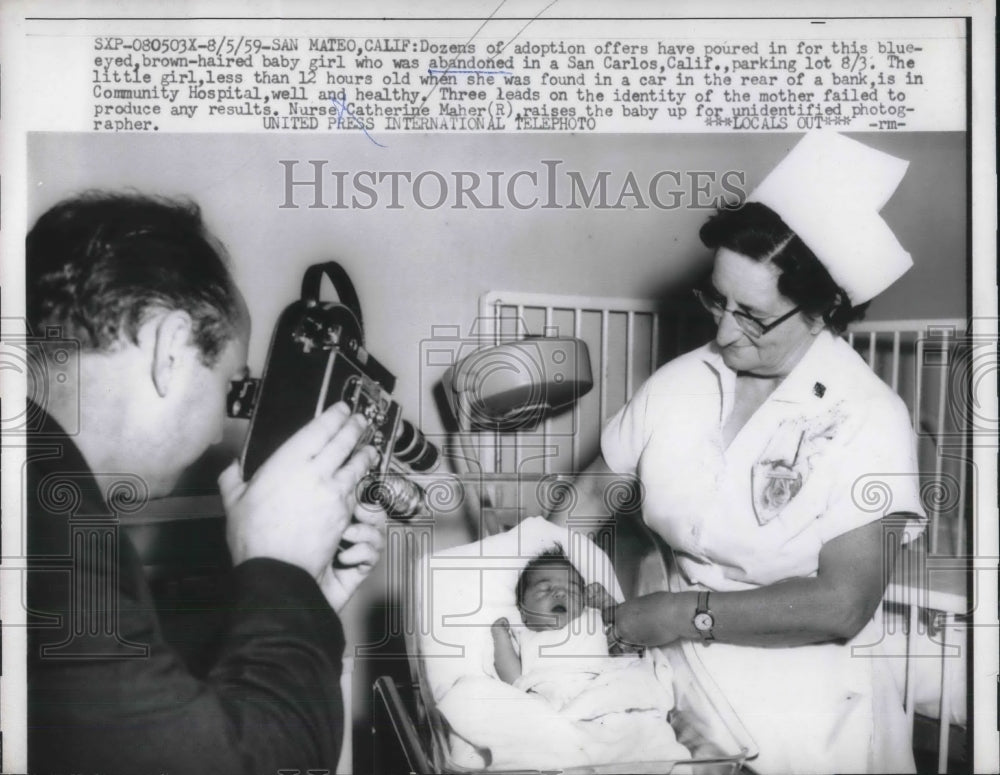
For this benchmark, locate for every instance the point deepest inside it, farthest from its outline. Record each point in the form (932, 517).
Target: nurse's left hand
(596, 596)
(650, 620)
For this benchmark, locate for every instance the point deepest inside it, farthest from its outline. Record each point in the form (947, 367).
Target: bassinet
(701, 718)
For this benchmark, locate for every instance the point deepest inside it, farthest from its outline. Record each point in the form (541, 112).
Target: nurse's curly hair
(756, 231)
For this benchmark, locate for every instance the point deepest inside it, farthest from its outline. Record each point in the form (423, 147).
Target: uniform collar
(816, 377)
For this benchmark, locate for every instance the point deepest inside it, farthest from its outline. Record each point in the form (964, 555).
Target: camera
(317, 357)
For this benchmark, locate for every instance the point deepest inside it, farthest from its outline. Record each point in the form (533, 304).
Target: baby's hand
(505, 659)
(500, 628)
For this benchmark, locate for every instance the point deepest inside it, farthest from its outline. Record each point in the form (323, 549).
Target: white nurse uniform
(831, 449)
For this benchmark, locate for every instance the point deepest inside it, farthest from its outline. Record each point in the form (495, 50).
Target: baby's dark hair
(550, 558)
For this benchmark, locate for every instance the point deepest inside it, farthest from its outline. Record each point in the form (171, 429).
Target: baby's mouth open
(559, 609)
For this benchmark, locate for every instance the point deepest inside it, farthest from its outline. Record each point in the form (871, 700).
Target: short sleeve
(626, 434)
(876, 474)
(678, 391)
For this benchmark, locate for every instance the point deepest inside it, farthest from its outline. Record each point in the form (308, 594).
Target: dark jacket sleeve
(108, 694)
(270, 702)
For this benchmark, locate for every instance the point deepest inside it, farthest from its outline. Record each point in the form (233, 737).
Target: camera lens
(412, 448)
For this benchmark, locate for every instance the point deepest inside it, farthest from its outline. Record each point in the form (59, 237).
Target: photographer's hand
(339, 581)
(299, 503)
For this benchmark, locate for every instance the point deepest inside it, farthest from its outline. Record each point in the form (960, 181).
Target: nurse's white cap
(829, 190)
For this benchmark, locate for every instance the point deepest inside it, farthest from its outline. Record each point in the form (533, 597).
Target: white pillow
(460, 592)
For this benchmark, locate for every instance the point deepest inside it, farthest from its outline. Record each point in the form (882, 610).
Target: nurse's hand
(596, 596)
(652, 620)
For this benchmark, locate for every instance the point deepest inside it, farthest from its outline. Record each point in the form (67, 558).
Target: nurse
(781, 471)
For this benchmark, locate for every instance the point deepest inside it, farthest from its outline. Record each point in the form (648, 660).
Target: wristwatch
(703, 620)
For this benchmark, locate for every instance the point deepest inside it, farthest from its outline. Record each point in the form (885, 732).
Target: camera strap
(312, 281)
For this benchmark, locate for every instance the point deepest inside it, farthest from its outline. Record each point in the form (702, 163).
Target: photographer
(142, 287)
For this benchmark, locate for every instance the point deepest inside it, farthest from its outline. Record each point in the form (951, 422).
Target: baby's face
(553, 597)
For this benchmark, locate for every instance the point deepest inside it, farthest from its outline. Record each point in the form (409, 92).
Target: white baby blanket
(621, 716)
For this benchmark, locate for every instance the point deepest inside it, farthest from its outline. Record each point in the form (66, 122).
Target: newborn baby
(565, 643)
(569, 703)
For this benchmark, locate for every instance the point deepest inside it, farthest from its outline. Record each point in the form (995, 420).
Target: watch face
(703, 622)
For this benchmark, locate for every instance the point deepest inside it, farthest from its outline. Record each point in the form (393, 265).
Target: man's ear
(171, 346)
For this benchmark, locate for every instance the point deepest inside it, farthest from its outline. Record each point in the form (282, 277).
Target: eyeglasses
(748, 324)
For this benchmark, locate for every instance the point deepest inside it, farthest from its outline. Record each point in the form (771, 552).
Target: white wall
(418, 268)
